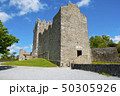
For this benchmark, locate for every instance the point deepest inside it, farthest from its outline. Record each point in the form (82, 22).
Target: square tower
(74, 36)
(65, 41)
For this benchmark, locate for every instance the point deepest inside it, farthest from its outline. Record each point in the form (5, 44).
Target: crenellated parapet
(40, 27)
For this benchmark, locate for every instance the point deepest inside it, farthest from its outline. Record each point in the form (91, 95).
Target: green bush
(119, 55)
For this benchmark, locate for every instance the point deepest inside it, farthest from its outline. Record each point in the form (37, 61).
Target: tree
(100, 41)
(107, 39)
(112, 45)
(118, 43)
(5, 56)
(6, 40)
(13, 55)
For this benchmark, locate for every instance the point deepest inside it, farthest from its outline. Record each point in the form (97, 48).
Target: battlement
(39, 22)
(43, 25)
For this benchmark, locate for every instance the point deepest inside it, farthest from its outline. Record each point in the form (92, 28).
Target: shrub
(119, 55)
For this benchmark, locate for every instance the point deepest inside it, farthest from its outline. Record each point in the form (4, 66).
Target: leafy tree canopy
(119, 43)
(6, 40)
(5, 56)
(100, 41)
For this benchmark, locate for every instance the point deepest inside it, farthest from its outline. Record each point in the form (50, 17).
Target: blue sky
(19, 17)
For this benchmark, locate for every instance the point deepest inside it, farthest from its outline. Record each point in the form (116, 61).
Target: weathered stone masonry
(63, 40)
(105, 54)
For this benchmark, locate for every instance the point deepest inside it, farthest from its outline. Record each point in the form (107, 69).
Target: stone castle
(64, 41)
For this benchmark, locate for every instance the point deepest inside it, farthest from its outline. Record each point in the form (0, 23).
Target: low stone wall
(112, 69)
(23, 55)
(84, 59)
(109, 54)
(29, 57)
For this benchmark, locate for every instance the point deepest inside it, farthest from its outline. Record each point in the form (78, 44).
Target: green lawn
(99, 62)
(40, 62)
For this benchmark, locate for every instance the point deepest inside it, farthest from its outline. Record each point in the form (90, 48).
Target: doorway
(79, 53)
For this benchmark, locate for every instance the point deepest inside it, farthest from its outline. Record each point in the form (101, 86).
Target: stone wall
(43, 43)
(112, 69)
(54, 41)
(74, 34)
(39, 29)
(49, 40)
(23, 55)
(105, 54)
(28, 57)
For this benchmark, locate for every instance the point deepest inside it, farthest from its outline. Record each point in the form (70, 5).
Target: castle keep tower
(39, 28)
(74, 36)
(64, 41)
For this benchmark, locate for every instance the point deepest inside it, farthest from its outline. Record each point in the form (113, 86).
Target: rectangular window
(79, 53)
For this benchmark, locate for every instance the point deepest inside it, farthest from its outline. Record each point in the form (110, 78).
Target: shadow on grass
(5, 67)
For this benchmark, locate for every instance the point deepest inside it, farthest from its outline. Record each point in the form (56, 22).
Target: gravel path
(38, 73)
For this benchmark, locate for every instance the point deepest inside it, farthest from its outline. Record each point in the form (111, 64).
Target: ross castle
(64, 41)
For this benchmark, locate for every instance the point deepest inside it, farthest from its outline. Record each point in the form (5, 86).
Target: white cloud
(31, 46)
(69, 1)
(26, 6)
(15, 48)
(28, 19)
(2, 1)
(83, 3)
(26, 47)
(116, 39)
(4, 16)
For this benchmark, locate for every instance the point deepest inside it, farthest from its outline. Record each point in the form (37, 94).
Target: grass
(99, 62)
(39, 62)
(105, 74)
